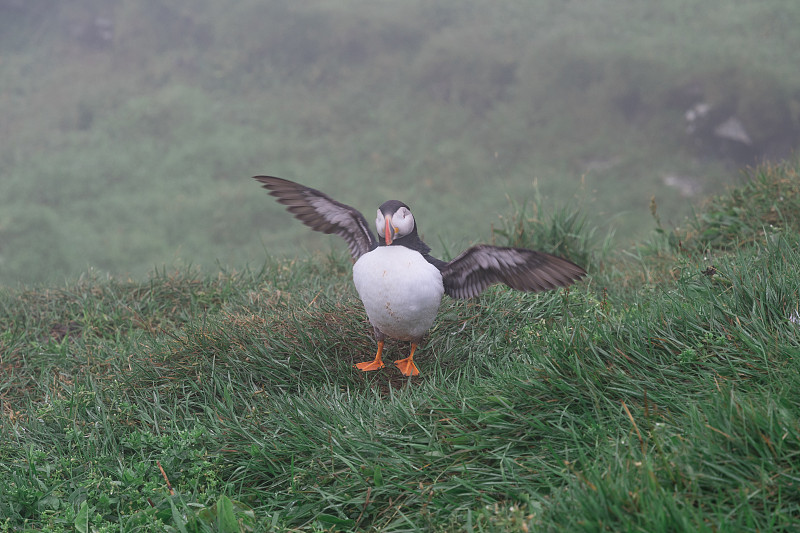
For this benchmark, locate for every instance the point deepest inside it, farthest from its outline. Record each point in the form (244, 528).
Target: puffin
(400, 284)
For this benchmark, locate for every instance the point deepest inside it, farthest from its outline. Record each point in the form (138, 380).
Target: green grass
(654, 396)
(138, 154)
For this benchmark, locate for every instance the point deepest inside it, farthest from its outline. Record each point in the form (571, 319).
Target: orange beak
(389, 230)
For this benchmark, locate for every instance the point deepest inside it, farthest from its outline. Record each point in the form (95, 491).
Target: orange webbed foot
(407, 366)
(368, 366)
(376, 364)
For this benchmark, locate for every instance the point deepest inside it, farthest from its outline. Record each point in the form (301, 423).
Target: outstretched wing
(322, 213)
(525, 270)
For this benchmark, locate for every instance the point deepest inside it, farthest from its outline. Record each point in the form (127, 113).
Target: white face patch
(380, 223)
(402, 222)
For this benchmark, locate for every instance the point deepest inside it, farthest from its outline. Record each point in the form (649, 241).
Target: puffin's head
(394, 221)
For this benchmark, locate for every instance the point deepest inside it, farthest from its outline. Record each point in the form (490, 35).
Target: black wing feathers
(322, 213)
(525, 270)
(464, 277)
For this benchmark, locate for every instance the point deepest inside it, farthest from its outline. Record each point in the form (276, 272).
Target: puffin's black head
(395, 221)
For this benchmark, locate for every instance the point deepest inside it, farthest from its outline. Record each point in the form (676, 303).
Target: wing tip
(272, 184)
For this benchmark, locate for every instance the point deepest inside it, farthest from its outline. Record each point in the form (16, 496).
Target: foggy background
(130, 129)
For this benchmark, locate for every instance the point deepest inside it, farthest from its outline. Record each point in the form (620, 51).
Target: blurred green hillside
(130, 129)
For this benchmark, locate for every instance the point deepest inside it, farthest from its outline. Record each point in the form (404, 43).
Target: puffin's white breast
(401, 291)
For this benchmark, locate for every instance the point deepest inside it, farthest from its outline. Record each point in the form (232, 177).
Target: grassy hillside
(130, 129)
(661, 394)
